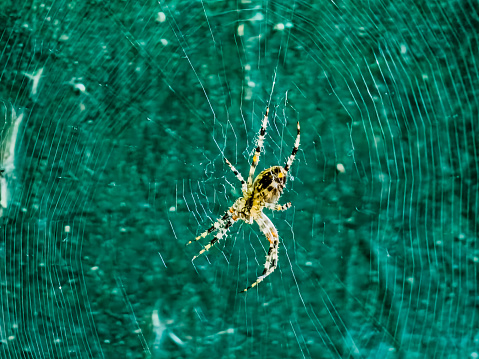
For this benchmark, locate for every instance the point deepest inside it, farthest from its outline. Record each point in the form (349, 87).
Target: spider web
(117, 116)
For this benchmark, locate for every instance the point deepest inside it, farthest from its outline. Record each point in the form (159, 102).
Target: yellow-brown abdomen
(269, 184)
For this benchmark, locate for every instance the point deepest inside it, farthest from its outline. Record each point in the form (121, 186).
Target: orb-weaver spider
(263, 192)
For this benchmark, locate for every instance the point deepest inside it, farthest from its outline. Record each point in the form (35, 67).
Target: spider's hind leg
(259, 146)
(290, 160)
(238, 176)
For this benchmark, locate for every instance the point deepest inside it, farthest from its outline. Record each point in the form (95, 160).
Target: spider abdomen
(269, 184)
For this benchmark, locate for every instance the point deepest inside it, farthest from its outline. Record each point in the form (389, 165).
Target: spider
(263, 192)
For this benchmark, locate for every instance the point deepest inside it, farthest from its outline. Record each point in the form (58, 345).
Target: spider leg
(238, 175)
(220, 223)
(221, 233)
(278, 207)
(262, 133)
(293, 154)
(271, 263)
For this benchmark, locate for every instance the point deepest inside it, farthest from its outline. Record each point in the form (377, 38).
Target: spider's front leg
(215, 226)
(271, 263)
(222, 225)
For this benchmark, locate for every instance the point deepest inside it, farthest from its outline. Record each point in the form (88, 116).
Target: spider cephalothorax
(263, 192)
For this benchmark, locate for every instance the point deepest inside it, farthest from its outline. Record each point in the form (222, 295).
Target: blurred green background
(124, 111)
